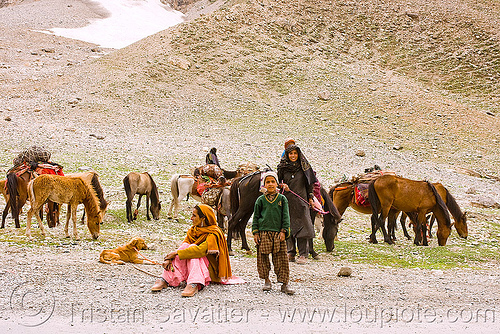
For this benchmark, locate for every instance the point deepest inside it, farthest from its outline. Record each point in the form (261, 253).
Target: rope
(314, 208)
(146, 272)
(145, 258)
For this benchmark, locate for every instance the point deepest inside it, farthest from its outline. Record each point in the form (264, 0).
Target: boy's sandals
(267, 286)
(287, 290)
(301, 260)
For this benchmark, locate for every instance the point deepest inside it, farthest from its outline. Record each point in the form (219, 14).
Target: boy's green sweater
(271, 215)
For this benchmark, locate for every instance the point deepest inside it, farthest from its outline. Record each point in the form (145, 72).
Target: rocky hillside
(421, 78)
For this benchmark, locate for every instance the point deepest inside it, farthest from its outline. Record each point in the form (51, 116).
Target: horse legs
(128, 205)
(28, 221)
(431, 223)
(232, 225)
(403, 225)
(174, 206)
(136, 212)
(391, 224)
(73, 217)
(243, 226)
(147, 207)
(68, 214)
(5, 213)
(374, 221)
(421, 222)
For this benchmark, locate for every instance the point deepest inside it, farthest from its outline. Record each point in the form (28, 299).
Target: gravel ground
(55, 284)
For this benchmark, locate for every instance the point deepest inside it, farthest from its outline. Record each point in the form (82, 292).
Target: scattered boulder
(397, 147)
(471, 191)
(179, 62)
(324, 95)
(413, 16)
(345, 272)
(485, 202)
(360, 153)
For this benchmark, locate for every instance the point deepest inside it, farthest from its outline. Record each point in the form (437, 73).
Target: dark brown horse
(15, 192)
(244, 193)
(343, 196)
(459, 217)
(142, 184)
(421, 197)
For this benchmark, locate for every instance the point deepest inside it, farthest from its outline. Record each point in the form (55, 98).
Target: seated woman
(202, 258)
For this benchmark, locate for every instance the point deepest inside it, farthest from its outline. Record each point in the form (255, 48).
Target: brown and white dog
(127, 253)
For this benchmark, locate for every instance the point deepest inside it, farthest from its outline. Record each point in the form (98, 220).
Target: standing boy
(270, 228)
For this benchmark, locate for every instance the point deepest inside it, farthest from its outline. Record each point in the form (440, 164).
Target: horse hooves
(231, 253)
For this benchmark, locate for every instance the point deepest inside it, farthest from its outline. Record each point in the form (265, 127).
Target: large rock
(485, 202)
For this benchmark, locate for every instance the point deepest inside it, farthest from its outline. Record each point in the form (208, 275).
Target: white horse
(181, 186)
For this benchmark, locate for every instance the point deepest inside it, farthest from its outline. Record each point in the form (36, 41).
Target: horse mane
(452, 205)
(154, 190)
(99, 192)
(90, 201)
(441, 204)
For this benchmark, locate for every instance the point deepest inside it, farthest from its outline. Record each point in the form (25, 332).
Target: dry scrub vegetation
(415, 86)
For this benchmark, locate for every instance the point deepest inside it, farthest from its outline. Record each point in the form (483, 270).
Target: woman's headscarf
(301, 164)
(215, 239)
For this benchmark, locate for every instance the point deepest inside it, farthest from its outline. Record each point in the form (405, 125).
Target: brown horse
(92, 178)
(15, 192)
(343, 196)
(142, 184)
(459, 217)
(64, 190)
(421, 197)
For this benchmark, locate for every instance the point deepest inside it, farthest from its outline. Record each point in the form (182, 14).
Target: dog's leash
(146, 272)
(145, 258)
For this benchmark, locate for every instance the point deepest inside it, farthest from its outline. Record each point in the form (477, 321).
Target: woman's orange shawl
(215, 239)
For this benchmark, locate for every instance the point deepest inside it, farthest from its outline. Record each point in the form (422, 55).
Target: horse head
(461, 226)
(155, 209)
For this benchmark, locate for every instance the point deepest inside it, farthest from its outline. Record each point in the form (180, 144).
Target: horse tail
(126, 185)
(13, 193)
(234, 195)
(440, 203)
(103, 204)
(373, 198)
(174, 187)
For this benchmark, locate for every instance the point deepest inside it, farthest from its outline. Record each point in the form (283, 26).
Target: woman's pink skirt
(190, 270)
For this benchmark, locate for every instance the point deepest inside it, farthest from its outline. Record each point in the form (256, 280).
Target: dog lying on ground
(127, 253)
